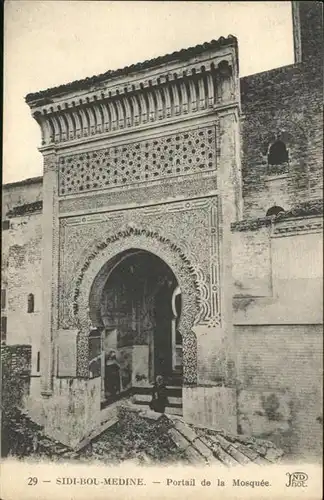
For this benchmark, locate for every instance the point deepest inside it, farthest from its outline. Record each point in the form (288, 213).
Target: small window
(38, 362)
(30, 303)
(278, 153)
(3, 299)
(273, 211)
(5, 225)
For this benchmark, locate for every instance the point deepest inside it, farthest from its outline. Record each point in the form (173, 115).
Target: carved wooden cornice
(251, 224)
(305, 225)
(305, 217)
(26, 209)
(186, 83)
(282, 227)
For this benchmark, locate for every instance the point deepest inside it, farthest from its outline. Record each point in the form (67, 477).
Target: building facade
(176, 231)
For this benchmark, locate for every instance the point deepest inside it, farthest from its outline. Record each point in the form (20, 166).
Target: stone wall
(286, 259)
(24, 278)
(21, 194)
(15, 371)
(16, 359)
(21, 276)
(251, 262)
(23, 197)
(15, 388)
(278, 335)
(71, 413)
(289, 100)
(279, 368)
(212, 407)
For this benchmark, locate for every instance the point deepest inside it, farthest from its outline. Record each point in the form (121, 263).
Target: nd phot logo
(297, 479)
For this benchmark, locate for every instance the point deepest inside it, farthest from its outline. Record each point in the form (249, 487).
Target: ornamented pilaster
(49, 269)
(229, 209)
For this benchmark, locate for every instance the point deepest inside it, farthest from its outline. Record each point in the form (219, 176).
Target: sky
(48, 43)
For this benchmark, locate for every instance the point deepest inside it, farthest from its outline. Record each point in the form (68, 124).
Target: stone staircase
(142, 395)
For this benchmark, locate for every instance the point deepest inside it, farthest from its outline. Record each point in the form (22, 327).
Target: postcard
(162, 222)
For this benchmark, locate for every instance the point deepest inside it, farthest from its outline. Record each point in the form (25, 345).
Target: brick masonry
(287, 100)
(311, 30)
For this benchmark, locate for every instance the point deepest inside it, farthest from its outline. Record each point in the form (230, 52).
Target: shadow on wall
(266, 414)
(277, 416)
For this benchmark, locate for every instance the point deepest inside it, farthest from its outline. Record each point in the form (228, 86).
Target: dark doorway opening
(139, 309)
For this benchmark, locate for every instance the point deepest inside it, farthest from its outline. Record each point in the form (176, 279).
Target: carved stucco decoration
(145, 240)
(174, 155)
(183, 234)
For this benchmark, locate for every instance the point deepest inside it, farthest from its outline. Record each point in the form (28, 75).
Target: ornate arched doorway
(135, 308)
(95, 269)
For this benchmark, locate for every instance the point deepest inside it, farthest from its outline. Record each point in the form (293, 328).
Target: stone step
(109, 412)
(172, 391)
(175, 402)
(169, 410)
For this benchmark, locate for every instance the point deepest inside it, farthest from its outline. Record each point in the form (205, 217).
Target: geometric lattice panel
(169, 156)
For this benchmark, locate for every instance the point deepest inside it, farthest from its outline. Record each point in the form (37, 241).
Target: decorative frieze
(151, 193)
(154, 159)
(282, 225)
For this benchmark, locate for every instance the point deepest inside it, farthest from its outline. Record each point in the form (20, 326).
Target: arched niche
(274, 211)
